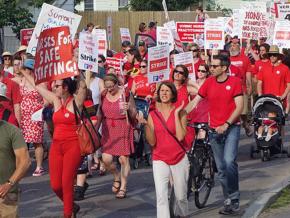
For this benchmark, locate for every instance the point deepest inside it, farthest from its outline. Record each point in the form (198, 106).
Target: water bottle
(121, 105)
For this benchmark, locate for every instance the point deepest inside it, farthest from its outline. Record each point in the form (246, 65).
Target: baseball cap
(6, 53)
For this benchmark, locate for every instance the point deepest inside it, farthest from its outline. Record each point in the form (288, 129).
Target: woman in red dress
(117, 132)
(65, 143)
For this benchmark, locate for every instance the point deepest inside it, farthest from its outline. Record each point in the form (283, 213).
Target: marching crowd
(226, 83)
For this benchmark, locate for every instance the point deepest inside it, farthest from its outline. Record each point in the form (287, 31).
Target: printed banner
(282, 11)
(186, 59)
(282, 34)
(116, 64)
(172, 27)
(49, 17)
(25, 36)
(254, 24)
(125, 34)
(102, 41)
(88, 52)
(214, 34)
(158, 62)
(53, 59)
(164, 37)
(188, 30)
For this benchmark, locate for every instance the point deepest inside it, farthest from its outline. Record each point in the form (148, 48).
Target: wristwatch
(10, 182)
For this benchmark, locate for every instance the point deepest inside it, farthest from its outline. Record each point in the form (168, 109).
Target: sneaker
(231, 207)
(268, 137)
(38, 172)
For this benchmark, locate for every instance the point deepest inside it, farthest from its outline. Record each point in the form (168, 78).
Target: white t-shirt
(94, 87)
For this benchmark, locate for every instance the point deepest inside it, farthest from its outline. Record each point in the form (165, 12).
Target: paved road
(255, 177)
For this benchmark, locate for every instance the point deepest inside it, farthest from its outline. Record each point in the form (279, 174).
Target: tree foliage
(156, 5)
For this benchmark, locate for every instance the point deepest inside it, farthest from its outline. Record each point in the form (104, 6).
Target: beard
(234, 52)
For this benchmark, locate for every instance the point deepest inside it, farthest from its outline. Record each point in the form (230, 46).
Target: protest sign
(237, 22)
(172, 27)
(102, 41)
(260, 6)
(214, 34)
(158, 62)
(49, 17)
(186, 59)
(187, 30)
(116, 64)
(25, 36)
(254, 24)
(282, 11)
(125, 34)
(282, 34)
(53, 59)
(228, 25)
(164, 37)
(165, 9)
(88, 52)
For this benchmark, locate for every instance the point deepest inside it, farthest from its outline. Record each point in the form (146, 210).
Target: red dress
(117, 135)
(31, 102)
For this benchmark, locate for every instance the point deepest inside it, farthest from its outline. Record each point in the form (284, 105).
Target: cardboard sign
(214, 34)
(125, 34)
(282, 11)
(88, 52)
(164, 37)
(102, 41)
(158, 62)
(53, 59)
(282, 34)
(116, 64)
(254, 24)
(187, 30)
(49, 17)
(25, 36)
(172, 27)
(186, 59)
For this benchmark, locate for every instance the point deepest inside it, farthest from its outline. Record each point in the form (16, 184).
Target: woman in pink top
(168, 150)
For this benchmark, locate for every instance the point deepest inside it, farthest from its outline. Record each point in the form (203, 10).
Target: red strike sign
(102, 44)
(25, 36)
(282, 35)
(53, 59)
(214, 35)
(159, 64)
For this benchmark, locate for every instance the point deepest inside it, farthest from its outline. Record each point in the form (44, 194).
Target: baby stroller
(267, 146)
(139, 137)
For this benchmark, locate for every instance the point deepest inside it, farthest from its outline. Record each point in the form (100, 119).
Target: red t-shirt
(259, 65)
(119, 55)
(143, 88)
(13, 93)
(220, 97)
(182, 95)
(166, 148)
(274, 79)
(235, 71)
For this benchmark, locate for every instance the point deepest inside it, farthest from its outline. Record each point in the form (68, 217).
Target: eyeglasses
(99, 61)
(143, 66)
(203, 71)
(194, 50)
(274, 55)
(56, 86)
(177, 71)
(214, 66)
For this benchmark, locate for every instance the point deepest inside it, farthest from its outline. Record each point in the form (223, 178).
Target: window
(123, 3)
(89, 5)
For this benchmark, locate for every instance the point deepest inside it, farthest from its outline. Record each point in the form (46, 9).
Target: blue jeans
(225, 151)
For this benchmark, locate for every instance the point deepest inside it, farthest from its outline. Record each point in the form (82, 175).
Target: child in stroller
(269, 125)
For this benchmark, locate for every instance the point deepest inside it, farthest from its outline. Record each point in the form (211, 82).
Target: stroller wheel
(265, 154)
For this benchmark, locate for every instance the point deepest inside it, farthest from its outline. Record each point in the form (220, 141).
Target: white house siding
(101, 5)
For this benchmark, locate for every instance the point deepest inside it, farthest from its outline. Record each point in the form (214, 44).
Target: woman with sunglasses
(117, 132)
(134, 59)
(7, 64)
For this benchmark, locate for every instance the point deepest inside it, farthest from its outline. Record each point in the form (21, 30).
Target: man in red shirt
(225, 97)
(241, 61)
(264, 59)
(274, 78)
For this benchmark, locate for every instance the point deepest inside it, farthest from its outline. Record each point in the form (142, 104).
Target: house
(101, 5)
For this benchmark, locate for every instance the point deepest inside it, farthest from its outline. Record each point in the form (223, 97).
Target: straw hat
(274, 50)
(3, 89)
(22, 48)
(6, 53)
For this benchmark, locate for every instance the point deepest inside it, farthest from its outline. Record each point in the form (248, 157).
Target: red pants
(64, 160)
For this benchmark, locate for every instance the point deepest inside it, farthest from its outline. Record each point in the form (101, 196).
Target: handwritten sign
(164, 37)
(53, 59)
(49, 17)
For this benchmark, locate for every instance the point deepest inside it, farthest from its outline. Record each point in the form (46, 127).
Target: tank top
(94, 87)
(65, 126)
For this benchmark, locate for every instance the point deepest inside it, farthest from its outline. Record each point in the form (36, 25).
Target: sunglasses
(143, 66)
(194, 50)
(177, 71)
(203, 71)
(6, 59)
(100, 61)
(274, 55)
(214, 66)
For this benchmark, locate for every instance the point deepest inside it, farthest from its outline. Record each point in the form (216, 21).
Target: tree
(156, 5)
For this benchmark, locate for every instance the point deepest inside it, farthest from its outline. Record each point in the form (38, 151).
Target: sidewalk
(256, 178)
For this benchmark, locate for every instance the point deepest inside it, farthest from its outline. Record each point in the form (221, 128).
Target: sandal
(115, 189)
(121, 194)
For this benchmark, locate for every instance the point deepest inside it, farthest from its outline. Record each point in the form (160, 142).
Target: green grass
(283, 200)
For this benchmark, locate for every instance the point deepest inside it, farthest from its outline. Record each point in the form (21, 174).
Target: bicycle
(202, 167)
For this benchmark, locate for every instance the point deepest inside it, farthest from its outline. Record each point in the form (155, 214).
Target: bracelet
(10, 182)
(227, 122)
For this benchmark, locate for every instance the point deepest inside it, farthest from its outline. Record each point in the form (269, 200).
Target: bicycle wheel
(204, 181)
